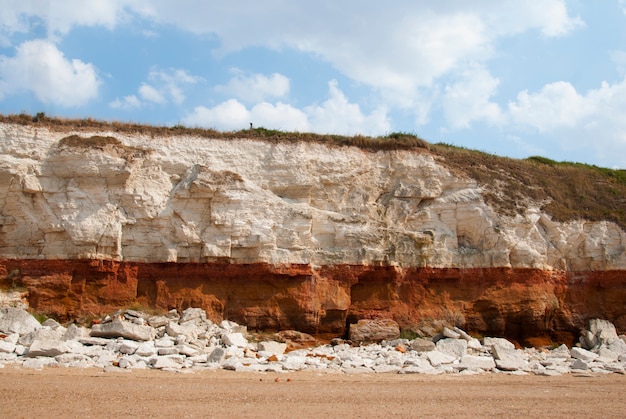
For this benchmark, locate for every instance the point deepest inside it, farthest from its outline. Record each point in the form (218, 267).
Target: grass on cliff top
(565, 190)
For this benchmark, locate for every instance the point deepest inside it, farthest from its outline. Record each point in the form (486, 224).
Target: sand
(65, 392)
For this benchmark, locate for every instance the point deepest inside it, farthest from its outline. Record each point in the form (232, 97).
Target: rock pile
(189, 342)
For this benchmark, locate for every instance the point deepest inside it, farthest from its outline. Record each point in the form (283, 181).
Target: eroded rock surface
(289, 235)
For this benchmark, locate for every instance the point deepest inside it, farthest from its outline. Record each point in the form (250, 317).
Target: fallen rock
(585, 355)
(503, 343)
(453, 347)
(377, 330)
(422, 345)
(118, 328)
(599, 332)
(272, 347)
(17, 320)
(47, 348)
(234, 339)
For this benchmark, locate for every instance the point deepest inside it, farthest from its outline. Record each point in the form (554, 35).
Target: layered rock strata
(290, 235)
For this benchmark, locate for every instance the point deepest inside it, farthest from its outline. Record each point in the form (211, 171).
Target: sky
(516, 78)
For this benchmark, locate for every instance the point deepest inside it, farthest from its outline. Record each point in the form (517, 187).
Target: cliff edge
(293, 234)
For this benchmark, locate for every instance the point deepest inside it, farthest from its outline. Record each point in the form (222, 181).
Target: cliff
(290, 234)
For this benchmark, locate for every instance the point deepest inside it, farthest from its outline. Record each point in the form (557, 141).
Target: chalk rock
(167, 362)
(366, 330)
(120, 328)
(453, 347)
(599, 332)
(234, 339)
(217, 355)
(272, 347)
(585, 355)
(17, 320)
(48, 348)
(75, 332)
(471, 362)
(7, 347)
(192, 313)
(128, 347)
(146, 349)
(503, 343)
(579, 364)
(422, 345)
(449, 333)
(508, 359)
(437, 358)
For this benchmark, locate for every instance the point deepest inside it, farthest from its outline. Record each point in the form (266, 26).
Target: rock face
(289, 235)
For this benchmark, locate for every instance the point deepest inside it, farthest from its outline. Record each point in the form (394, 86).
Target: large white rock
(120, 328)
(234, 339)
(17, 320)
(453, 347)
(272, 347)
(48, 348)
(585, 355)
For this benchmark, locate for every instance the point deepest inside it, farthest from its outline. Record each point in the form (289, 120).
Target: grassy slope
(564, 190)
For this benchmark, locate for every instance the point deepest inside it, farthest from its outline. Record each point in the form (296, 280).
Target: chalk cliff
(289, 235)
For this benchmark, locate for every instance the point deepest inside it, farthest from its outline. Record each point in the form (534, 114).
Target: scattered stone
(376, 330)
(422, 345)
(449, 333)
(272, 348)
(453, 347)
(199, 344)
(47, 348)
(119, 328)
(489, 342)
(437, 358)
(585, 355)
(17, 320)
(234, 339)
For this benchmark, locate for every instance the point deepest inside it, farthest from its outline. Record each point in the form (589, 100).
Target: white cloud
(233, 115)
(256, 87)
(229, 115)
(164, 87)
(151, 94)
(591, 121)
(468, 99)
(557, 105)
(38, 66)
(60, 16)
(128, 102)
(335, 115)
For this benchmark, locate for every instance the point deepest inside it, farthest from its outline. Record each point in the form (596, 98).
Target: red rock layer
(532, 307)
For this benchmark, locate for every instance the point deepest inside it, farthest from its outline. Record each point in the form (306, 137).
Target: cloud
(233, 115)
(556, 105)
(468, 99)
(59, 17)
(335, 115)
(256, 87)
(590, 121)
(151, 94)
(128, 102)
(163, 87)
(39, 67)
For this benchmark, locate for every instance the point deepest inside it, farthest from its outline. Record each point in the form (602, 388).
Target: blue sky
(514, 77)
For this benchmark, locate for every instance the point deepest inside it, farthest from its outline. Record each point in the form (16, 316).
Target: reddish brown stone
(525, 305)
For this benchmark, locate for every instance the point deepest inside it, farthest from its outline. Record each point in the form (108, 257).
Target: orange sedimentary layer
(530, 306)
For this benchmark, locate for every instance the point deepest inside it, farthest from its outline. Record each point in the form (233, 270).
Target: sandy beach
(92, 393)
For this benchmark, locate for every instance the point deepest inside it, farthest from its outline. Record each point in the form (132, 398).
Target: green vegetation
(565, 190)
